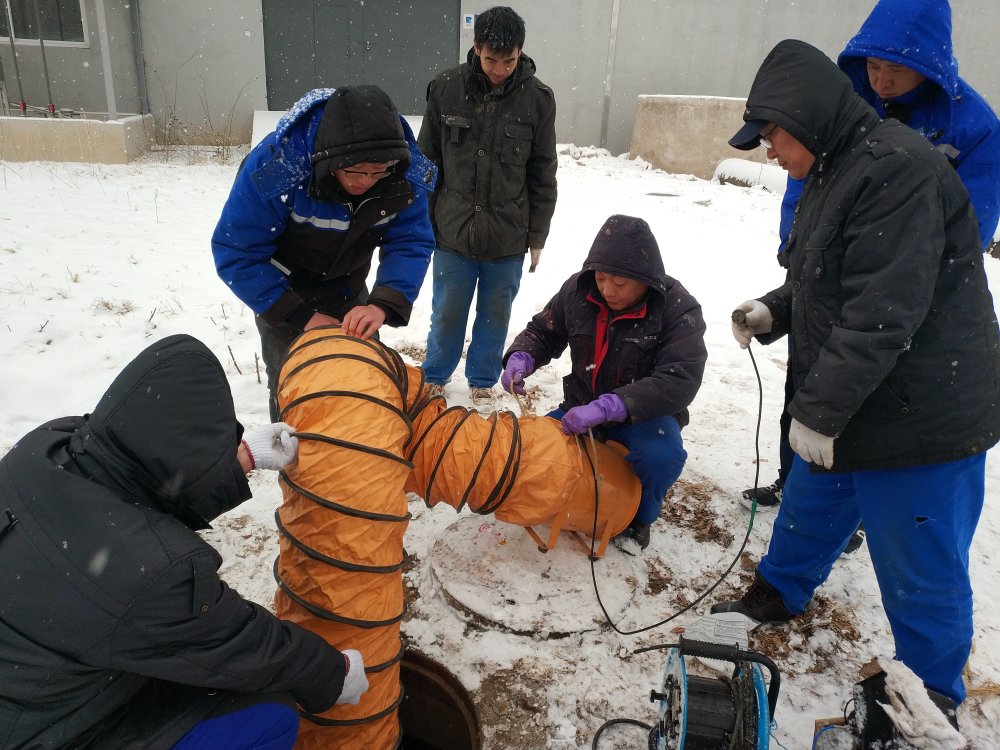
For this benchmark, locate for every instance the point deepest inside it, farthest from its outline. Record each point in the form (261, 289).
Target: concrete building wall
(204, 68)
(205, 62)
(705, 48)
(76, 72)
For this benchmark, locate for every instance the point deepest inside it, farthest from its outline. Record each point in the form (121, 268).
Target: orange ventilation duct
(369, 432)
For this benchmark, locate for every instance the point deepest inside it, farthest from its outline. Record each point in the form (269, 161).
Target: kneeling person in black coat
(636, 342)
(115, 628)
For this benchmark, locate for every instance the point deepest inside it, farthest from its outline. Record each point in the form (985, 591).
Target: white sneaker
(483, 399)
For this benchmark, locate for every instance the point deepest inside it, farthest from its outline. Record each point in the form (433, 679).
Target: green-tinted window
(62, 20)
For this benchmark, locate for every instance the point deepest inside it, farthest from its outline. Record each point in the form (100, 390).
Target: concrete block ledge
(75, 139)
(688, 134)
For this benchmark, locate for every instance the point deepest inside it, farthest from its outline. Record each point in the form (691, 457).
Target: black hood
(165, 434)
(625, 246)
(802, 90)
(359, 124)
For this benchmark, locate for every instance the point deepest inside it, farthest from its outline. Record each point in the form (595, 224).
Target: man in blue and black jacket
(340, 176)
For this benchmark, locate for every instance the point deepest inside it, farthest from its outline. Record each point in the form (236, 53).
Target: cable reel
(722, 713)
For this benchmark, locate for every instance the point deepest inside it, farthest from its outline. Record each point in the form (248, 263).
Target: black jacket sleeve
(429, 142)
(546, 335)
(190, 627)
(540, 172)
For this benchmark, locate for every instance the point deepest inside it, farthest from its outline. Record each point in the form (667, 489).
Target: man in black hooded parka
(115, 628)
(895, 362)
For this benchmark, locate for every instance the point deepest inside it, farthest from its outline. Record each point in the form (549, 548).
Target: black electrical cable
(746, 538)
(612, 722)
(848, 714)
(593, 537)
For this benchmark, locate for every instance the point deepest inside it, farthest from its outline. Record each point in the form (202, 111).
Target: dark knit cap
(359, 124)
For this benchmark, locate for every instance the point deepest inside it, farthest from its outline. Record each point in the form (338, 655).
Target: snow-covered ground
(98, 261)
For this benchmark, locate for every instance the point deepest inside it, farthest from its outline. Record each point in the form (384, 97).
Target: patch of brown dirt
(512, 710)
(687, 506)
(661, 578)
(411, 593)
(416, 353)
(820, 616)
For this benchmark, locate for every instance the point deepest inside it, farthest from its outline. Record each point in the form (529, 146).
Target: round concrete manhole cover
(493, 573)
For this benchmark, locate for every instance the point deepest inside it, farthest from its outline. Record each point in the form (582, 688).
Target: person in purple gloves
(637, 344)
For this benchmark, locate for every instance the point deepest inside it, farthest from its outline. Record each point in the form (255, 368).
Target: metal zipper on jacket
(354, 211)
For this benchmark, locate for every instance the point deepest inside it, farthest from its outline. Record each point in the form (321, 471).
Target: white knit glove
(272, 446)
(749, 319)
(810, 445)
(355, 681)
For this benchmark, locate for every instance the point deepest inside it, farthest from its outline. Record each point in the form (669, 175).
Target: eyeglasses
(765, 141)
(355, 174)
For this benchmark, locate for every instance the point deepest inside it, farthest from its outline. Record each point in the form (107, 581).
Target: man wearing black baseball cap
(894, 362)
(340, 176)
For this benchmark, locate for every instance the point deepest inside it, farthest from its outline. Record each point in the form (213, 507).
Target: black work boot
(948, 707)
(873, 724)
(761, 602)
(767, 497)
(856, 540)
(637, 532)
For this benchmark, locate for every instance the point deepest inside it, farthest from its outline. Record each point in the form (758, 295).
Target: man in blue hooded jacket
(901, 63)
(340, 176)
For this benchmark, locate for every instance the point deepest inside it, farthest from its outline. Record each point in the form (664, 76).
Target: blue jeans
(267, 726)
(656, 453)
(919, 523)
(456, 279)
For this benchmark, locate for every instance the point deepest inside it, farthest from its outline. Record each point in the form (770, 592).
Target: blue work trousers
(267, 726)
(456, 279)
(919, 523)
(656, 453)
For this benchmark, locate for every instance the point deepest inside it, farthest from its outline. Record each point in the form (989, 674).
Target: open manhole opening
(437, 712)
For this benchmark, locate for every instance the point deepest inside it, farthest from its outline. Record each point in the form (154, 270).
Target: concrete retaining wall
(688, 134)
(72, 139)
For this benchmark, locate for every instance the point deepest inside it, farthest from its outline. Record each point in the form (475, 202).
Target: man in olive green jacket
(490, 129)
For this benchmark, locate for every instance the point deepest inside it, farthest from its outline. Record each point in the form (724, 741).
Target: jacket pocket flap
(821, 237)
(456, 121)
(518, 130)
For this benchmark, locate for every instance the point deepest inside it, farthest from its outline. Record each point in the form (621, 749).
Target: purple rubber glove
(519, 366)
(605, 408)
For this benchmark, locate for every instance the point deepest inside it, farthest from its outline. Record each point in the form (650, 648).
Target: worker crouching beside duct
(369, 432)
